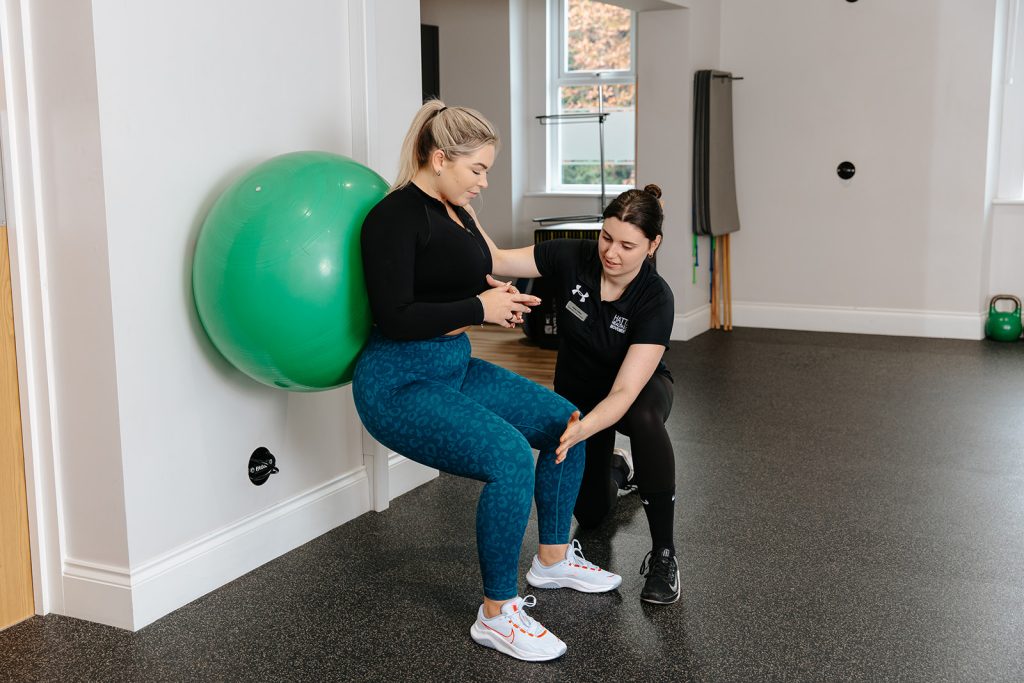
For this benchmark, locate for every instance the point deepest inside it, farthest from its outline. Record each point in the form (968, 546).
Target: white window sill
(609, 193)
(1008, 202)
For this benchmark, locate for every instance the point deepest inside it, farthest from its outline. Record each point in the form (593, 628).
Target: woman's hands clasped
(504, 305)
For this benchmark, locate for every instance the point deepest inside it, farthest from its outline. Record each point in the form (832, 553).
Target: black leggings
(654, 462)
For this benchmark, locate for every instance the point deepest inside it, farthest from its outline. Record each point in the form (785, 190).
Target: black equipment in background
(430, 58)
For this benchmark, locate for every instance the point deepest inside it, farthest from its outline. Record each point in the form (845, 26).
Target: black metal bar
(555, 220)
(600, 142)
(582, 117)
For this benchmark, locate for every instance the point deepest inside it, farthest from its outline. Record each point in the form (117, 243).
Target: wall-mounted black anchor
(261, 465)
(845, 170)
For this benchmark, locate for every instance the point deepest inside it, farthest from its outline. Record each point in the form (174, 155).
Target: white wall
(1007, 275)
(137, 119)
(902, 89)
(178, 126)
(79, 330)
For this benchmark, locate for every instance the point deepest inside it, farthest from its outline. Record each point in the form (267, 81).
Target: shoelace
(576, 556)
(660, 566)
(528, 623)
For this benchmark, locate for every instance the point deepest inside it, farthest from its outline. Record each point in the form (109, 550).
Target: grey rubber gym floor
(849, 508)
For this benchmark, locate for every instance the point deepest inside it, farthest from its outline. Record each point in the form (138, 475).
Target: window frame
(1010, 178)
(559, 76)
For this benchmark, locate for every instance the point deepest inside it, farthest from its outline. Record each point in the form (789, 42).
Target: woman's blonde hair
(456, 131)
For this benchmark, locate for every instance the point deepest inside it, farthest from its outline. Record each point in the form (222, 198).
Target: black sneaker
(662, 574)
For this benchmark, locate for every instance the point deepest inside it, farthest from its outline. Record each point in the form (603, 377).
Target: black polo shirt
(595, 335)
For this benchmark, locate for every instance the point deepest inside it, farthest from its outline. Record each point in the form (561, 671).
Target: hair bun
(653, 189)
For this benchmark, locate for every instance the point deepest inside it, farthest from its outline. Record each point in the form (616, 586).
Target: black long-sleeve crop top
(423, 270)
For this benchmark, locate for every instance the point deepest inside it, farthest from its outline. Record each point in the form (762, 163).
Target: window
(1010, 33)
(594, 70)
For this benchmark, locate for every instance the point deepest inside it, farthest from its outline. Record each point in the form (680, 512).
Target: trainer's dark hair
(641, 208)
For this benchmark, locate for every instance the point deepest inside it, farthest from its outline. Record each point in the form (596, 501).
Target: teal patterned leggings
(433, 403)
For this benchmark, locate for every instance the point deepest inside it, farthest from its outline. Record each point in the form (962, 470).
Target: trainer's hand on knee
(503, 304)
(572, 435)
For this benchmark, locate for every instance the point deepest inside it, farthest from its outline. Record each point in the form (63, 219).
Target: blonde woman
(420, 392)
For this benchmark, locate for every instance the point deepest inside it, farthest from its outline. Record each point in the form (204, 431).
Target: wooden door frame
(18, 138)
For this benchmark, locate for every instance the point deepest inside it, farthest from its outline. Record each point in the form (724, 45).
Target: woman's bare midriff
(458, 331)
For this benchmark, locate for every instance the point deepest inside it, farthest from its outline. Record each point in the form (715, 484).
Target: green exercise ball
(278, 276)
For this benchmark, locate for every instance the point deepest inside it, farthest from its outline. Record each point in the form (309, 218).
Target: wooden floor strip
(16, 599)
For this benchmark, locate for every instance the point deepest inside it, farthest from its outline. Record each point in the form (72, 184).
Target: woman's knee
(560, 413)
(549, 423)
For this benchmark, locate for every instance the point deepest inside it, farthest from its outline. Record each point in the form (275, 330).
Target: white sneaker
(572, 572)
(629, 487)
(516, 634)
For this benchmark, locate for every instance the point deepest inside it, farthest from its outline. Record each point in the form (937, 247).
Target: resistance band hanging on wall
(715, 211)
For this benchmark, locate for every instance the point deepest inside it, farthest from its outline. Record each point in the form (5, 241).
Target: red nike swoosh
(511, 637)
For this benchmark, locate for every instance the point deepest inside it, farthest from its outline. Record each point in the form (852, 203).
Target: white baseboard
(98, 593)
(131, 600)
(686, 326)
(883, 321)
(404, 475)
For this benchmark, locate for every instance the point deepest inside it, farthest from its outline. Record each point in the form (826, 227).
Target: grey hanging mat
(714, 177)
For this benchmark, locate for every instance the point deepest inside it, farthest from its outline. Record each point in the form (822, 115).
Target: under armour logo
(580, 293)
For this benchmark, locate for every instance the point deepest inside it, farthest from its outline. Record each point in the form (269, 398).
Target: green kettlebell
(1003, 326)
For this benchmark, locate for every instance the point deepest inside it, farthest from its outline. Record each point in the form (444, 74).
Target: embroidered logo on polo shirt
(619, 324)
(580, 293)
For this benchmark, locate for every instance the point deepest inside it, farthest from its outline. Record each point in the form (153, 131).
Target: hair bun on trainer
(653, 189)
